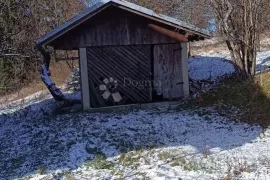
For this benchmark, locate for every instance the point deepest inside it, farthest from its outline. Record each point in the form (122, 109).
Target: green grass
(68, 175)
(165, 156)
(131, 159)
(251, 97)
(100, 162)
(41, 171)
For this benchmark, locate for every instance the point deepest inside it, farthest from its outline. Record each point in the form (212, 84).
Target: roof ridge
(101, 3)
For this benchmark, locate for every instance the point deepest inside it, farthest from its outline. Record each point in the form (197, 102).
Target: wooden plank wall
(123, 64)
(113, 26)
(168, 75)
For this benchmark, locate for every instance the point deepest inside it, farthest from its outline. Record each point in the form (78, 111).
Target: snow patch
(262, 64)
(153, 142)
(209, 68)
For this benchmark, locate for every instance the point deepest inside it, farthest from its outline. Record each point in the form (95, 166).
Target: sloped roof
(102, 4)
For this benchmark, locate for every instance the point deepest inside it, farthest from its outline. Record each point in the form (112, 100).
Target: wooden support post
(171, 34)
(184, 58)
(85, 90)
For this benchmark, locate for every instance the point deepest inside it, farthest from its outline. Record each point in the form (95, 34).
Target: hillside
(155, 94)
(218, 135)
(153, 144)
(60, 74)
(216, 48)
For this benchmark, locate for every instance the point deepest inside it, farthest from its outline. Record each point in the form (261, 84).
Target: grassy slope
(251, 97)
(60, 72)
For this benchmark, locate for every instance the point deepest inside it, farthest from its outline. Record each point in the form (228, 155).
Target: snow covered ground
(209, 68)
(156, 144)
(211, 64)
(263, 57)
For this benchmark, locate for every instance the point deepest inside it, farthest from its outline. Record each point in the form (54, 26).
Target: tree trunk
(45, 76)
(240, 23)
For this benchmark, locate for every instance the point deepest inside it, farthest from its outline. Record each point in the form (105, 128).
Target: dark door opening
(119, 75)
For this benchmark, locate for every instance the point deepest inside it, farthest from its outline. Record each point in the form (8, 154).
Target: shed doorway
(134, 74)
(119, 75)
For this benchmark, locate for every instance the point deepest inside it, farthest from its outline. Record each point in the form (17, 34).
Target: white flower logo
(109, 90)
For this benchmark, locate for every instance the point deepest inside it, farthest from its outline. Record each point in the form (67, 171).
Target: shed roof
(103, 4)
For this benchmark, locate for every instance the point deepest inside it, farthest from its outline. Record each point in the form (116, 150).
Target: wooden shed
(128, 54)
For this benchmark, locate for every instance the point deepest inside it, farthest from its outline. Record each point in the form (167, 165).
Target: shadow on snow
(31, 138)
(263, 65)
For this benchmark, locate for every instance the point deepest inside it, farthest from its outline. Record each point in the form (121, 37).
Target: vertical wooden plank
(85, 91)
(184, 58)
(176, 77)
(168, 71)
(161, 71)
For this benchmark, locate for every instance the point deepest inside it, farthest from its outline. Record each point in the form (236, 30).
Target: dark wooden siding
(168, 71)
(113, 26)
(130, 66)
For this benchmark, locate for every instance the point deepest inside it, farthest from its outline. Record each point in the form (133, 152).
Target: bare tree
(195, 12)
(241, 23)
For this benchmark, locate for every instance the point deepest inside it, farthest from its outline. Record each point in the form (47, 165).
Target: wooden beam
(162, 21)
(84, 79)
(171, 34)
(184, 58)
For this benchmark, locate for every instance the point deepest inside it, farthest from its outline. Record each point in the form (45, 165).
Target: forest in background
(24, 21)
(21, 23)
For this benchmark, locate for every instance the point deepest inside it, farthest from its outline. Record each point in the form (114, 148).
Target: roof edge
(103, 4)
(65, 27)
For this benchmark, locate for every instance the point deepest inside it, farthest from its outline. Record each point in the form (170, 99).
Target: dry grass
(216, 44)
(251, 97)
(209, 48)
(60, 72)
